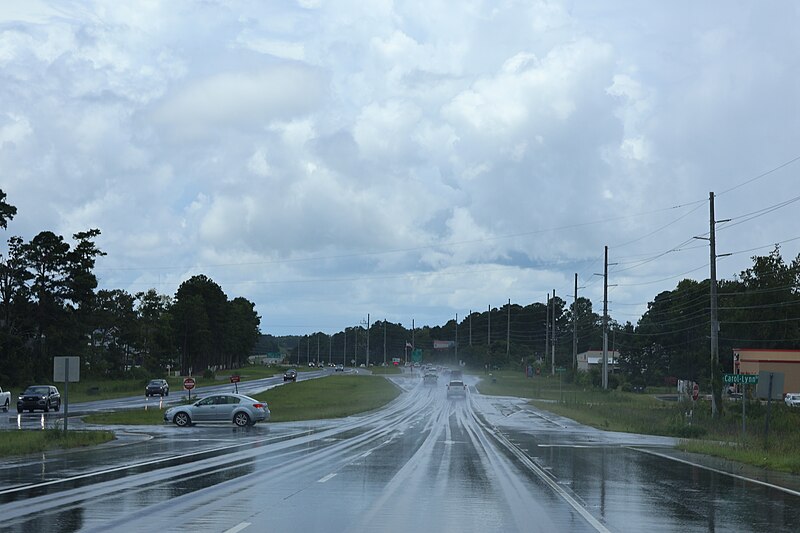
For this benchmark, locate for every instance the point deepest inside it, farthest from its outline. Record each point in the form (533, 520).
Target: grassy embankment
(105, 389)
(13, 442)
(644, 413)
(332, 397)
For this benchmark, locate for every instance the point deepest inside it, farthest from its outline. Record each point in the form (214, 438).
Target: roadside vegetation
(616, 410)
(334, 397)
(13, 442)
(105, 389)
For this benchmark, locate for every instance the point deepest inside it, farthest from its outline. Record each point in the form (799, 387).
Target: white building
(594, 359)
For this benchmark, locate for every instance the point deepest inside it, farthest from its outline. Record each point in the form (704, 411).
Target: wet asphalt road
(424, 463)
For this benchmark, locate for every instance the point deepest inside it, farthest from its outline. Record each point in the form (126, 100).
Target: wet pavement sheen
(424, 463)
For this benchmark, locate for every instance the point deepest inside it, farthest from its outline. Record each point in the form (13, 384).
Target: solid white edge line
(718, 471)
(327, 478)
(238, 527)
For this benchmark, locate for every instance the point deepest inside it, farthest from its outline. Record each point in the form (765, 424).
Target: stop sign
(188, 383)
(695, 391)
(235, 379)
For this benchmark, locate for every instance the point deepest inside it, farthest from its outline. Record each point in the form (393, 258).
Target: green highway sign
(747, 379)
(561, 369)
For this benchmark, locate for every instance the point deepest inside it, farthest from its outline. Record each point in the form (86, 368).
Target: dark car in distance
(157, 387)
(290, 375)
(39, 397)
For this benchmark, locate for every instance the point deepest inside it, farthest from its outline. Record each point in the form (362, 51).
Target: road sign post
(235, 381)
(743, 380)
(189, 384)
(67, 369)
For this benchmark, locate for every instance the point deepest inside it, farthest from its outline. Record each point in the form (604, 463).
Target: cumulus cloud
(326, 161)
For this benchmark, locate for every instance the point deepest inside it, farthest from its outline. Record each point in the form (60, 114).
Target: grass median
(15, 442)
(647, 414)
(334, 396)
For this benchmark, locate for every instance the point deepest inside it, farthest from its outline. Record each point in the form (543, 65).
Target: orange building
(753, 361)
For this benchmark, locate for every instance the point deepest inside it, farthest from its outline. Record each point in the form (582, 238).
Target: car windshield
(156, 383)
(37, 390)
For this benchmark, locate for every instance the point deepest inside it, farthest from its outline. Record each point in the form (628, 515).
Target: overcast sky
(407, 160)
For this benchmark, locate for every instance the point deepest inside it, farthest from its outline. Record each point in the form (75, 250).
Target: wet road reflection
(424, 463)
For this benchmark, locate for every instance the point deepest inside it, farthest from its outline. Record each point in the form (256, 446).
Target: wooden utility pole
(605, 320)
(547, 331)
(508, 334)
(575, 326)
(553, 343)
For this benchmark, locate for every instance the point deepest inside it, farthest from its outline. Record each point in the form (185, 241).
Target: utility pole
(716, 386)
(605, 320)
(330, 349)
(317, 335)
(489, 338)
(575, 326)
(547, 330)
(344, 349)
(384, 342)
(413, 329)
(508, 334)
(298, 351)
(553, 344)
(367, 340)
(470, 327)
(456, 353)
(308, 350)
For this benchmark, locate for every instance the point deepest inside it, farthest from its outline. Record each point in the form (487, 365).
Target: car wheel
(5, 407)
(182, 420)
(58, 405)
(19, 410)
(46, 407)
(166, 393)
(241, 419)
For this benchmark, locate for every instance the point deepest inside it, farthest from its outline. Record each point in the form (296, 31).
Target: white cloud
(410, 158)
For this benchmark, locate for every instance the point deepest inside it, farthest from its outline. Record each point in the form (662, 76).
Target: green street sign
(561, 369)
(416, 355)
(746, 379)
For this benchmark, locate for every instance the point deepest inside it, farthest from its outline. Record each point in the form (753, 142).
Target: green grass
(333, 397)
(386, 370)
(150, 417)
(103, 389)
(21, 442)
(644, 413)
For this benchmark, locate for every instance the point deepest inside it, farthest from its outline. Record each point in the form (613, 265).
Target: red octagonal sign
(188, 383)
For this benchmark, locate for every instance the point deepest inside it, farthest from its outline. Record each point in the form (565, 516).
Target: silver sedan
(237, 408)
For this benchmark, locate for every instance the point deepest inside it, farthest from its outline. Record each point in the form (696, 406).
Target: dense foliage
(50, 305)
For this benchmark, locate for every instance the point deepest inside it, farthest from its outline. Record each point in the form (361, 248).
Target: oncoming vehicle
(157, 387)
(456, 388)
(339, 368)
(290, 375)
(39, 397)
(237, 408)
(792, 399)
(430, 379)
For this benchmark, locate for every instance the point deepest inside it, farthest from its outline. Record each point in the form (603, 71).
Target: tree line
(50, 306)
(760, 308)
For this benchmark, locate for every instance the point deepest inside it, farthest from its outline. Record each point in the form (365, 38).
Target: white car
(792, 399)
